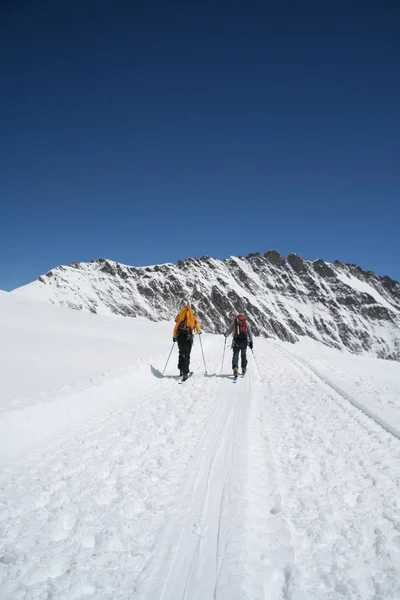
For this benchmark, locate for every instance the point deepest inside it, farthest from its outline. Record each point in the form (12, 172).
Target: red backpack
(240, 328)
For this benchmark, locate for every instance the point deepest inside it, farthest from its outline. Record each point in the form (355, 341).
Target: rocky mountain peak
(338, 304)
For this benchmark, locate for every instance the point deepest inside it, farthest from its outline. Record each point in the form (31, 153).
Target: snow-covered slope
(118, 483)
(339, 305)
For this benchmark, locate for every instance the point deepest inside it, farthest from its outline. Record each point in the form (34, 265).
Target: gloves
(174, 340)
(251, 345)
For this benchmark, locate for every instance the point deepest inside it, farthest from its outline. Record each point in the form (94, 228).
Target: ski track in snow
(341, 489)
(344, 395)
(273, 489)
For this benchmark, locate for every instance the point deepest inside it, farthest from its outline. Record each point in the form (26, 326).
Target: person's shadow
(159, 375)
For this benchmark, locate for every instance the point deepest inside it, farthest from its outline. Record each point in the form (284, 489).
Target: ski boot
(235, 372)
(243, 370)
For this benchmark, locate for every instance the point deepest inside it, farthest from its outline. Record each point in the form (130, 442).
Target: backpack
(240, 328)
(186, 321)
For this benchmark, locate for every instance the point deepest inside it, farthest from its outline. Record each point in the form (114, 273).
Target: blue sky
(151, 133)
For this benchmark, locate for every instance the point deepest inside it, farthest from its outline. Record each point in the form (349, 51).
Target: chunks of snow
(118, 483)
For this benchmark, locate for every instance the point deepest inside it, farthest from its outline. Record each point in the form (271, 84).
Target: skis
(183, 380)
(235, 378)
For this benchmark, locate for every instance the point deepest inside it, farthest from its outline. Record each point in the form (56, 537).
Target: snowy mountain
(287, 298)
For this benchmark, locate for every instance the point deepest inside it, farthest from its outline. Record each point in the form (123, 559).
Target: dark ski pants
(239, 346)
(185, 347)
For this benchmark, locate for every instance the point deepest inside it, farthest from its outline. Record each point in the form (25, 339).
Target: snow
(364, 287)
(368, 383)
(119, 483)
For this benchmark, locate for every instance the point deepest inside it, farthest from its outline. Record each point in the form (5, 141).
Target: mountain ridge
(336, 303)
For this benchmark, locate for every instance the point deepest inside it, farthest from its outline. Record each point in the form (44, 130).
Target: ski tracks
(209, 491)
(341, 394)
(340, 483)
(226, 537)
(192, 545)
(167, 496)
(80, 517)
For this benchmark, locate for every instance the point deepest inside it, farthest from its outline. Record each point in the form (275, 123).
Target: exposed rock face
(337, 304)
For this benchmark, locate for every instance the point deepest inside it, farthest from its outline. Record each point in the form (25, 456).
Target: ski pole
(201, 346)
(223, 355)
(256, 362)
(168, 357)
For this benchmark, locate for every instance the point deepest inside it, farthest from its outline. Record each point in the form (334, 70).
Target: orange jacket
(191, 321)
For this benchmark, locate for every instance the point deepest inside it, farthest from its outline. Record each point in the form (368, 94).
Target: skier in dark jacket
(242, 337)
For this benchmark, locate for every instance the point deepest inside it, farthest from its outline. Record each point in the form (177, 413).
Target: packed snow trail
(383, 423)
(269, 489)
(201, 552)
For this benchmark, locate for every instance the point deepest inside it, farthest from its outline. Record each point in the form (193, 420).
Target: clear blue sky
(150, 132)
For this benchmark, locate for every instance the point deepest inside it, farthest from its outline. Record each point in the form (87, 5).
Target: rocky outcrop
(338, 304)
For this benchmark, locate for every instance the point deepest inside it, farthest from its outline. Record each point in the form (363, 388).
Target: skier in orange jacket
(185, 324)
